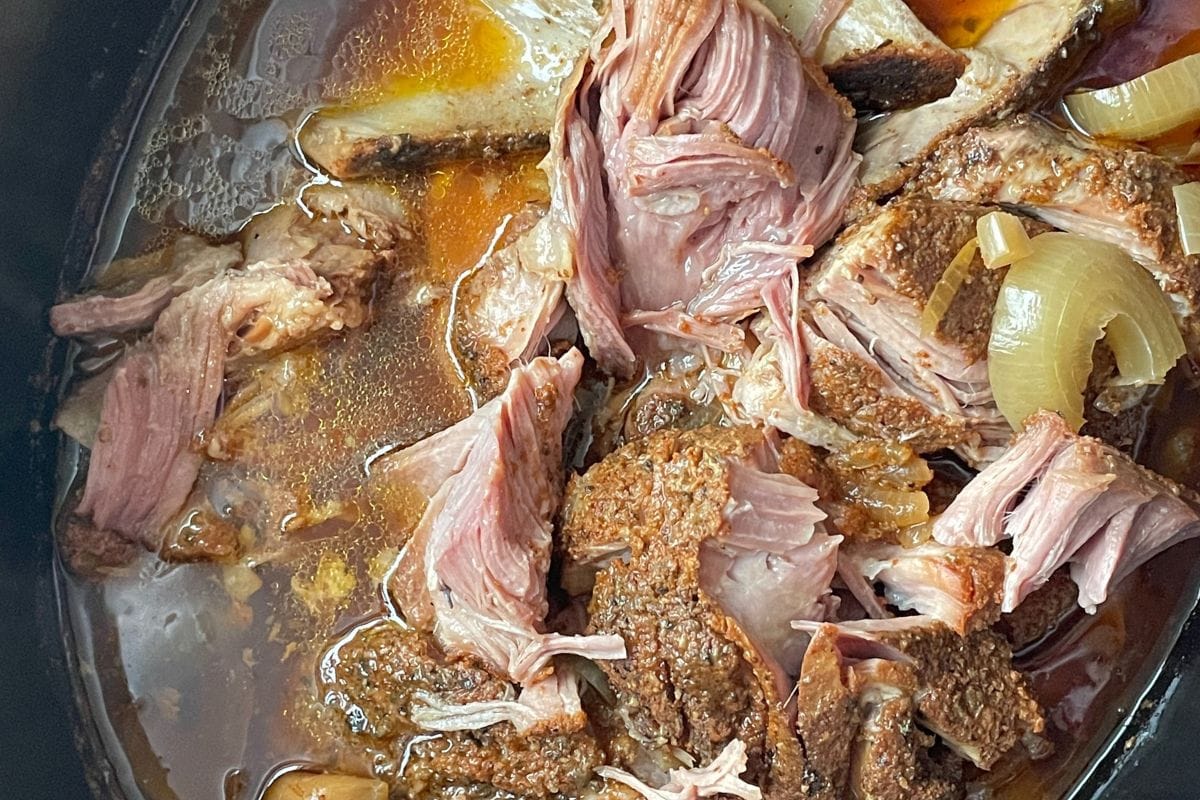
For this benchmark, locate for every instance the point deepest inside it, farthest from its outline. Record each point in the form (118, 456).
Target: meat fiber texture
(703, 555)
(871, 368)
(187, 263)
(1066, 499)
(717, 779)
(696, 158)
(473, 572)
(209, 311)
(164, 393)
(959, 586)
(870, 690)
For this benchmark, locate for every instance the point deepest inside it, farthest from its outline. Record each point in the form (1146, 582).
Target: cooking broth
(202, 680)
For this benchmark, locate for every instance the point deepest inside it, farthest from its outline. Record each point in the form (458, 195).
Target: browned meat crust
(1041, 612)
(870, 695)
(982, 569)
(673, 694)
(1027, 162)
(912, 240)
(896, 76)
(375, 682)
(401, 153)
(908, 244)
(858, 723)
(971, 696)
(851, 392)
(692, 678)
(827, 713)
(1122, 426)
(87, 550)
(893, 759)
(1056, 63)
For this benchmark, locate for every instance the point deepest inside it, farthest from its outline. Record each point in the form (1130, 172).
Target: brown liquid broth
(199, 695)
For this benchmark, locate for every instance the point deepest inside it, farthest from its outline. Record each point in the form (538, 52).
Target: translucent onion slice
(1145, 107)
(1054, 306)
(947, 286)
(1187, 210)
(1002, 239)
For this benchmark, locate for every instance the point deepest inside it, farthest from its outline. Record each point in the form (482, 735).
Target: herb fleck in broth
(224, 660)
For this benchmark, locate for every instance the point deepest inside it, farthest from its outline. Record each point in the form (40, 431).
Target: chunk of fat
(1020, 58)
(512, 113)
(876, 51)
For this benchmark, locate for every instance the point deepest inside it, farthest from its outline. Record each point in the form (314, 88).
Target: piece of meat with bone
(1019, 61)
(164, 393)
(378, 682)
(875, 52)
(305, 275)
(1119, 195)
(138, 289)
(505, 105)
(473, 572)
(1069, 499)
(703, 553)
(697, 157)
(964, 690)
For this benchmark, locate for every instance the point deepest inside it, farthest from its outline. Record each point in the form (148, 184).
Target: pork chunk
(1119, 195)
(696, 159)
(1017, 63)
(302, 276)
(473, 572)
(962, 689)
(1069, 499)
(378, 682)
(873, 368)
(702, 543)
(961, 586)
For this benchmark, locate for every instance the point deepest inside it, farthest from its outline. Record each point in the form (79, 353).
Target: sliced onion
(1187, 210)
(1002, 239)
(1054, 306)
(944, 290)
(1145, 107)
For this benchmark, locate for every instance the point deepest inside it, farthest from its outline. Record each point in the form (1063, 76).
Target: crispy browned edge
(389, 155)
(894, 76)
(1090, 26)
